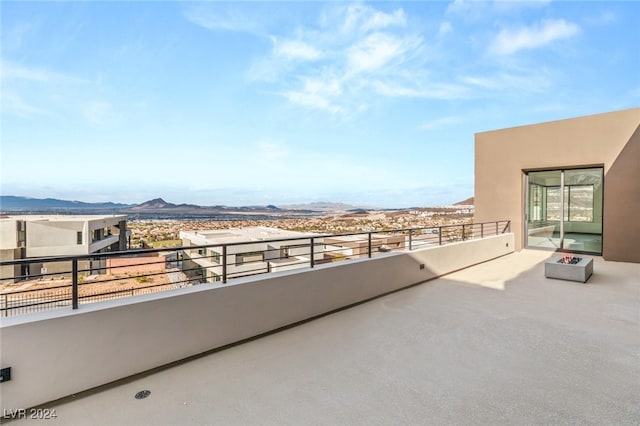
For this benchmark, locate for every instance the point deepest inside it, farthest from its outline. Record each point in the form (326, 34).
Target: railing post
(224, 264)
(74, 284)
(6, 305)
(439, 235)
(463, 237)
(369, 244)
(410, 239)
(497, 228)
(482, 230)
(312, 261)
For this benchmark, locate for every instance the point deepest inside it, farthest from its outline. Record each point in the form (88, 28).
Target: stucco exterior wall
(8, 234)
(55, 238)
(8, 272)
(603, 140)
(622, 204)
(57, 353)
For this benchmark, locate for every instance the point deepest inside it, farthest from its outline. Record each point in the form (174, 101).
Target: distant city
(158, 223)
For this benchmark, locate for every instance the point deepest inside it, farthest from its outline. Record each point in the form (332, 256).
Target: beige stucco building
(570, 185)
(251, 251)
(30, 236)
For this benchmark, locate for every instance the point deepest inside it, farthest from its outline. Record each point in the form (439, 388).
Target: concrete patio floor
(496, 343)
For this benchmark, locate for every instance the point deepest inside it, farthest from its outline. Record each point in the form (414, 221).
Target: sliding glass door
(564, 209)
(543, 219)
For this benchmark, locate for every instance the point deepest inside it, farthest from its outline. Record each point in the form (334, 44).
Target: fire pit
(569, 267)
(569, 260)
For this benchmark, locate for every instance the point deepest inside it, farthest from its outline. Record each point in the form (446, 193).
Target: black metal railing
(36, 284)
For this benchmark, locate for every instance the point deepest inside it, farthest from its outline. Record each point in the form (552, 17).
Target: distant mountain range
(158, 205)
(14, 204)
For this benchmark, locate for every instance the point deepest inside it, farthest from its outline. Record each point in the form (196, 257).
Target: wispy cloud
(32, 91)
(444, 91)
(511, 82)
(377, 50)
(13, 103)
(354, 53)
(364, 18)
(294, 50)
(509, 41)
(23, 88)
(14, 71)
(221, 17)
(317, 94)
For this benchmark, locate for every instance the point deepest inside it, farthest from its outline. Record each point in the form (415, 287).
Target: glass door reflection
(564, 209)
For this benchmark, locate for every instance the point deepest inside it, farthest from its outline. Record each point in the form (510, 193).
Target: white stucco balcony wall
(54, 354)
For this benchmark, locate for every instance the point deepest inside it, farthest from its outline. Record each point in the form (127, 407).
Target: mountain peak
(156, 203)
(468, 202)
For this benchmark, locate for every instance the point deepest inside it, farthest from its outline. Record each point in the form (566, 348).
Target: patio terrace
(495, 343)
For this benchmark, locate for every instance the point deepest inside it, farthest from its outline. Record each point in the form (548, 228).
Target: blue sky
(245, 103)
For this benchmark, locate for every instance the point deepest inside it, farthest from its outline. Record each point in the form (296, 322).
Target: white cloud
(13, 103)
(215, 18)
(375, 51)
(334, 66)
(351, 94)
(361, 18)
(29, 91)
(382, 20)
(357, 53)
(313, 100)
(510, 82)
(13, 71)
(329, 85)
(484, 82)
(432, 91)
(513, 40)
(295, 49)
(459, 6)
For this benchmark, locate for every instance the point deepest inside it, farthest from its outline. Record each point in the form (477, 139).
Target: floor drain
(143, 394)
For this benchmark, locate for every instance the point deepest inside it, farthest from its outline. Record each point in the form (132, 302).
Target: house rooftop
(253, 233)
(61, 217)
(495, 343)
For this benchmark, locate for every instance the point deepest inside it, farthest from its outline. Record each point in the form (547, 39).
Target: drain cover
(143, 394)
